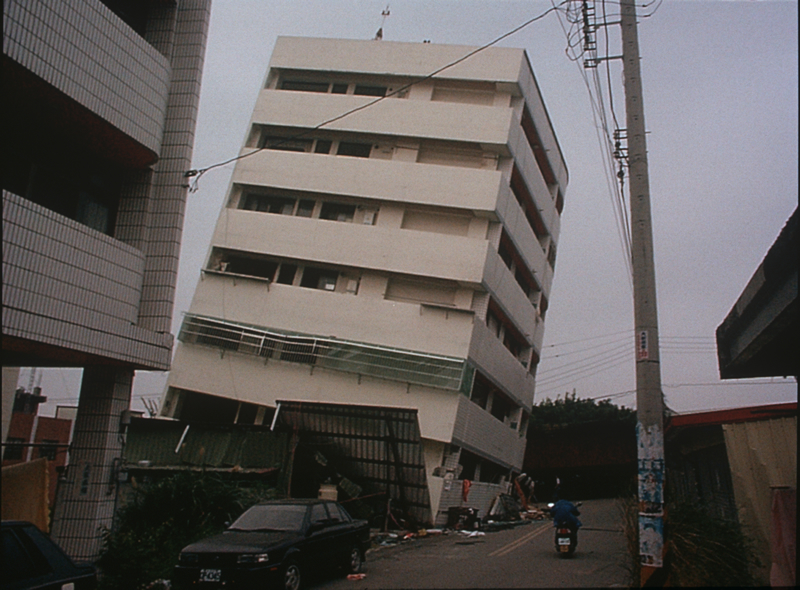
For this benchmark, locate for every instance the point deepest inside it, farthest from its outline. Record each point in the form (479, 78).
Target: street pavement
(522, 556)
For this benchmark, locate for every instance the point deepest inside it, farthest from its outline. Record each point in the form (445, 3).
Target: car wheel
(355, 561)
(292, 576)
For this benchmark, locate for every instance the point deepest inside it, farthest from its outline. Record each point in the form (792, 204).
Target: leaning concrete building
(99, 110)
(388, 240)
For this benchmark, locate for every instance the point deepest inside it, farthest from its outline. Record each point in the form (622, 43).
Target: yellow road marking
(508, 548)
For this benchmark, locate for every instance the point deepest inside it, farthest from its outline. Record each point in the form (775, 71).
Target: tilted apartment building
(99, 109)
(388, 240)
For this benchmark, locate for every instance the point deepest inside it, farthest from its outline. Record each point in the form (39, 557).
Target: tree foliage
(163, 517)
(569, 411)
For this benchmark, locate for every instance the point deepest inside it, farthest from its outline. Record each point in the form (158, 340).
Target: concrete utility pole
(649, 400)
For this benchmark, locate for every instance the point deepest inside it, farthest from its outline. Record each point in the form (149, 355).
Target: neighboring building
(99, 110)
(760, 337)
(400, 256)
(741, 464)
(31, 436)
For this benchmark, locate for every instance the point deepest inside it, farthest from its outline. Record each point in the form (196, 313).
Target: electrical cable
(606, 151)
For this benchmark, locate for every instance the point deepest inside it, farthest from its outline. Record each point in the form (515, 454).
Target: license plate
(210, 575)
(564, 541)
(564, 548)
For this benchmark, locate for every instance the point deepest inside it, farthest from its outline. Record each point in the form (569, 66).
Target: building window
(551, 255)
(323, 146)
(514, 262)
(318, 278)
(14, 449)
(367, 90)
(353, 148)
(501, 407)
(526, 202)
(287, 144)
(305, 208)
(49, 449)
(248, 266)
(304, 86)
(269, 204)
(286, 274)
(337, 211)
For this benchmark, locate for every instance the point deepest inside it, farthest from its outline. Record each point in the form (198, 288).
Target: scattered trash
(356, 576)
(505, 507)
(534, 514)
(462, 517)
(473, 533)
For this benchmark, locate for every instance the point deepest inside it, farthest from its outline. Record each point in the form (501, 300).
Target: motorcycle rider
(565, 515)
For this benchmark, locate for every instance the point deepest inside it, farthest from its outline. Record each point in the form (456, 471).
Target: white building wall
(394, 180)
(251, 379)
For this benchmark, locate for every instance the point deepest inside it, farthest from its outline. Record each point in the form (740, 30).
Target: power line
(605, 141)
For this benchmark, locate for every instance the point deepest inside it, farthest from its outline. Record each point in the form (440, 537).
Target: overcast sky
(720, 85)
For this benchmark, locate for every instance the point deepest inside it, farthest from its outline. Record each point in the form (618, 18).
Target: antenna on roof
(384, 13)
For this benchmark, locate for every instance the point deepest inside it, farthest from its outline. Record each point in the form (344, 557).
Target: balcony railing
(339, 355)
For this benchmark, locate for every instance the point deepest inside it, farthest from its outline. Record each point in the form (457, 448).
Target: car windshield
(271, 517)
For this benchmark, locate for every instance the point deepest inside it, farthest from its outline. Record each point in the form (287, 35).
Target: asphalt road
(520, 557)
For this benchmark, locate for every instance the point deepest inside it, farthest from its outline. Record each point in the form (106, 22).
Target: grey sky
(721, 106)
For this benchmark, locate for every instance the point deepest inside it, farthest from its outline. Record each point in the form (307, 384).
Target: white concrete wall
(383, 180)
(478, 431)
(396, 59)
(251, 379)
(360, 318)
(500, 366)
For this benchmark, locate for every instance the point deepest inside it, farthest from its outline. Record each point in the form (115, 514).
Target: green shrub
(706, 551)
(163, 517)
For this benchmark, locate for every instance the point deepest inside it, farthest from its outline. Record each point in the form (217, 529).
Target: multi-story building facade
(400, 255)
(100, 104)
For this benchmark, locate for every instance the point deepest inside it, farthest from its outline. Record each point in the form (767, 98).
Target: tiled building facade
(401, 255)
(99, 112)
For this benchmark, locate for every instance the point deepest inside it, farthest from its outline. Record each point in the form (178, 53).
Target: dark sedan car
(275, 544)
(31, 561)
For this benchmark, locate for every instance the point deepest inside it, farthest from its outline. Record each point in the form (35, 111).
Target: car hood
(242, 542)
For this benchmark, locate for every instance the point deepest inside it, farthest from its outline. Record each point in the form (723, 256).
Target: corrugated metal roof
(380, 444)
(172, 444)
(733, 415)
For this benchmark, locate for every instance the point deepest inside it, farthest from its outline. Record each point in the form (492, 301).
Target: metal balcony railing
(330, 353)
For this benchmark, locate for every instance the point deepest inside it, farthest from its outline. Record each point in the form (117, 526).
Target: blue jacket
(565, 512)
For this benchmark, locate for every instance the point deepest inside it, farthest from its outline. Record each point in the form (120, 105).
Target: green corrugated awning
(160, 444)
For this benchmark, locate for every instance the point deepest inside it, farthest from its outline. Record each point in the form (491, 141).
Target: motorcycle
(566, 538)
